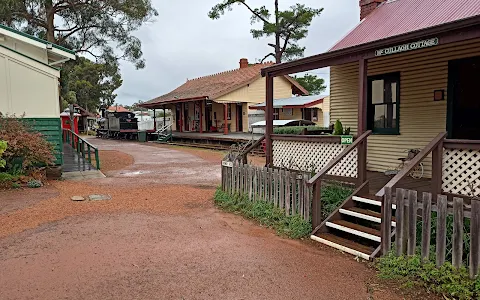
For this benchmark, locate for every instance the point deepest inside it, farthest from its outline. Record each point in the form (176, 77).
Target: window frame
(276, 113)
(392, 77)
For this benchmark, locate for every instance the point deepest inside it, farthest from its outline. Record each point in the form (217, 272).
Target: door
(239, 118)
(464, 99)
(208, 115)
(185, 117)
(178, 111)
(307, 114)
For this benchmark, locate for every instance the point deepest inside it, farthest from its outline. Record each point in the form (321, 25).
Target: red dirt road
(161, 241)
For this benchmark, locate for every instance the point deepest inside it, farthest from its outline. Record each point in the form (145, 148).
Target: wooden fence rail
(408, 204)
(287, 190)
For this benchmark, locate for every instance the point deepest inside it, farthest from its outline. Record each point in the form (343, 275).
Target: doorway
(208, 115)
(464, 99)
(185, 117)
(239, 118)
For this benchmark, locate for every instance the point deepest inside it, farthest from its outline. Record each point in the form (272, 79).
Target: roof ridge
(228, 71)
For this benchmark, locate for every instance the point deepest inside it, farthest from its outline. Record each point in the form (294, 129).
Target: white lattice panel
(461, 167)
(308, 156)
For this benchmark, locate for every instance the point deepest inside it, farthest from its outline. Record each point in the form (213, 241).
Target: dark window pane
(380, 116)
(394, 92)
(377, 91)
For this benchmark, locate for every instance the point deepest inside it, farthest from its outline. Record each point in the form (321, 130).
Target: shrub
(338, 128)
(34, 184)
(446, 279)
(3, 147)
(24, 143)
(332, 196)
(266, 213)
(295, 129)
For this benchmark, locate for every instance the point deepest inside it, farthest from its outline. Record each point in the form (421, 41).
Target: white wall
(27, 87)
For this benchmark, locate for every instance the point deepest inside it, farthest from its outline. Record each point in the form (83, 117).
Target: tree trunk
(278, 53)
(49, 17)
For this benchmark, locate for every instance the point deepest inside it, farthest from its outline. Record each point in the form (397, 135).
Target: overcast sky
(184, 43)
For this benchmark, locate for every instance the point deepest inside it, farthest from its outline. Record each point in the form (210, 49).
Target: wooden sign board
(346, 139)
(407, 47)
(227, 164)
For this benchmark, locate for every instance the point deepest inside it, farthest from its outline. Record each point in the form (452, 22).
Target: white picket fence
(287, 190)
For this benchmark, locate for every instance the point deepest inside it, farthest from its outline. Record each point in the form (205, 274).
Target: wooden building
(220, 102)
(29, 82)
(314, 108)
(404, 78)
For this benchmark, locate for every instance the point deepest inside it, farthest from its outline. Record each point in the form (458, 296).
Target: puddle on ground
(135, 173)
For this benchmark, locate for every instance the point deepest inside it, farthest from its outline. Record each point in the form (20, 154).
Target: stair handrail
(407, 169)
(249, 149)
(163, 129)
(338, 158)
(79, 146)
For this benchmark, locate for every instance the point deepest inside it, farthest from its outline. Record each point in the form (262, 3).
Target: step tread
(357, 227)
(346, 243)
(371, 201)
(368, 212)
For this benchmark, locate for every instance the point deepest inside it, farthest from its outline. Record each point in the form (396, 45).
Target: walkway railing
(79, 145)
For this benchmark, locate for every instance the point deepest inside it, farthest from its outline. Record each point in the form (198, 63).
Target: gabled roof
(117, 108)
(293, 102)
(217, 85)
(56, 52)
(397, 17)
(83, 111)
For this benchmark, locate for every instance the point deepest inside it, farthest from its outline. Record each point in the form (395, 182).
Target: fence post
(457, 239)
(412, 220)
(400, 220)
(97, 159)
(316, 204)
(386, 226)
(441, 229)
(474, 238)
(426, 225)
(437, 159)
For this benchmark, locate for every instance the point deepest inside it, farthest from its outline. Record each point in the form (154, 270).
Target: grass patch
(411, 272)
(332, 196)
(267, 214)
(296, 129)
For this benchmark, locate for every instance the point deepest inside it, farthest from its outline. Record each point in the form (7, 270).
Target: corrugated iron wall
(421, 118)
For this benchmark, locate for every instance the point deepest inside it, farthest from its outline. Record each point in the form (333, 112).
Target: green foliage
(6, 177)
(332, 196)
(34, 184)
(16, 185)
(446, 279)
(90, 84)
(102, 29)
(3, 147)
(313, 84)
(295, 129)
(26, 146)
(266, 213)
(288, 27)
(338, 128)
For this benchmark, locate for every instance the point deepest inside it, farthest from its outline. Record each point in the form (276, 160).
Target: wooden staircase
(354, 227)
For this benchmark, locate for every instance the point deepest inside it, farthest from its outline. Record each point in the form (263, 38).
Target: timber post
(225, 118)
(164, 117)
(269, 120)
(437, 169)
(317, 204)
(201, 115)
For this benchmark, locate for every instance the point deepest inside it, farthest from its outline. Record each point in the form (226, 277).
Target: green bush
(445, 280)
(3, 147)
(332, 196)
(338, 128)
(34, 184)
(266, 213)
(295, 129)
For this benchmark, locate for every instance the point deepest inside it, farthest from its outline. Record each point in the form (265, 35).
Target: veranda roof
(293, 102)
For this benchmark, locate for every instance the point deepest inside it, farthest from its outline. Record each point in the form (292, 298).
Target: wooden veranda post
(225, 118)
(164, 117)
(269, 120)
(182, 110)
(154, 120)
(362, 121)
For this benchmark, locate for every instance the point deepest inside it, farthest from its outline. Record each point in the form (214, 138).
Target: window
(229, 111)
(315, 114)
(276, 114)
(383, 103)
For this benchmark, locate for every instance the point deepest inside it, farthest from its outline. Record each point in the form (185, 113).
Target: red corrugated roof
(398, 17)
(117, 108)
(217, 85)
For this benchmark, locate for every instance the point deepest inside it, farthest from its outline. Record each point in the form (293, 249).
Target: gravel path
(161, 238)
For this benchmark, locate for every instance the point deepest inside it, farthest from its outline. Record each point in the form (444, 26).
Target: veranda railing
(82, 147)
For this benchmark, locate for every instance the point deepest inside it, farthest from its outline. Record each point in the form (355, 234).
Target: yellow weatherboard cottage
(29, 81)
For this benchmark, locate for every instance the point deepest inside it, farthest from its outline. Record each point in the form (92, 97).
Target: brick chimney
(367, 6)
(243, 63)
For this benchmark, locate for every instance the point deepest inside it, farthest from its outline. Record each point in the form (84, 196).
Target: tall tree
(287, 26)
(101, 28)
(313, 84)
(90, 84)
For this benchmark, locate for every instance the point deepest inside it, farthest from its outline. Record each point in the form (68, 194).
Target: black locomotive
(119, 125)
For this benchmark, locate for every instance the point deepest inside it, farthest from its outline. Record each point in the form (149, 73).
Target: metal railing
(79, 144)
